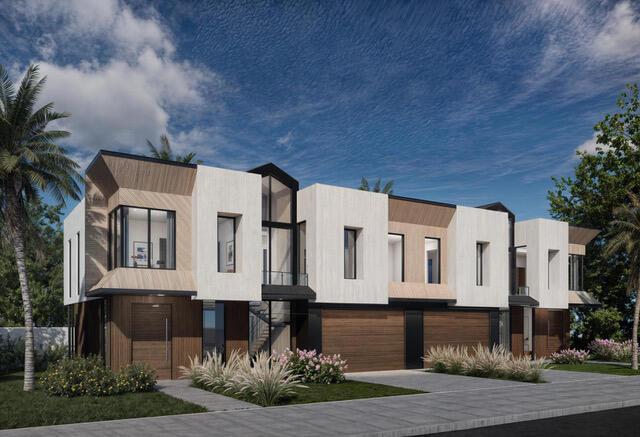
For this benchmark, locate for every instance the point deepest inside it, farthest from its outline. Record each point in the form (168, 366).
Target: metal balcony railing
(522, 291)
(283, 278)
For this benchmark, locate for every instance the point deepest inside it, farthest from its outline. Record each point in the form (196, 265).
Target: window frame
(355, 252)
(70, 246)
(235, 267)
(78, 263)
(426, 273)
(579, 285)
(114, 257)
(401, 253)
(480, 249)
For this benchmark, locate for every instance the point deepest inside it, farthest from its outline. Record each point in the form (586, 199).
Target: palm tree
(387, 189)
(31, 163)
(165, 152)
(625, 237)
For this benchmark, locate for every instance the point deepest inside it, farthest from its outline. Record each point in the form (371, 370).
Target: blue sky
(462, 102)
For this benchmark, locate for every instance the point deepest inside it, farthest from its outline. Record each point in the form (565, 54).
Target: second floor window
(432, 260)
(481, 254)
(396, 257)
(576, 272)
(226, 244)
(350, 254)
(142, 238)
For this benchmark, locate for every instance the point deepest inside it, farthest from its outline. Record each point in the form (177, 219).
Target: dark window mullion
(148, 238)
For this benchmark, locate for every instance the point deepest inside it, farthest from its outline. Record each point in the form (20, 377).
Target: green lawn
(19, 409)
(337, 392)
(611, 369)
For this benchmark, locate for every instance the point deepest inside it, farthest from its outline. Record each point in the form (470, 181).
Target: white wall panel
(74, 262)
(327, 210)
(230, 193)
(548, 284)
(468, 227)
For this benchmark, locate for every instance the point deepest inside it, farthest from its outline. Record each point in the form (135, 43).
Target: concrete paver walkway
(392, 416)
(181, 389)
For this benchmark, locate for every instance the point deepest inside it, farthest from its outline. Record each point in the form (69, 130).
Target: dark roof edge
(138, 158)
(270, 169)
(496, 206)
(428, 202)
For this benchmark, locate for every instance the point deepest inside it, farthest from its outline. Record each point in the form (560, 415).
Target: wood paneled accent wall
(236, 326)
(367, 339)
(96, 234)
(186, 328)
(456, 328)
(551, 331)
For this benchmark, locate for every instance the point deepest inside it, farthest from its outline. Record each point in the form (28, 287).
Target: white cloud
(619, 38)
(591, 146)
(286, 141)
(127, 81)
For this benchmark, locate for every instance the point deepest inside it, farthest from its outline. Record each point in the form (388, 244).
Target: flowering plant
(610, 350)
(314, 367)
(569, 356)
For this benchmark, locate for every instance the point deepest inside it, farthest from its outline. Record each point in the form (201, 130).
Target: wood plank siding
(186, 329)
(456, 328)
(367, 339)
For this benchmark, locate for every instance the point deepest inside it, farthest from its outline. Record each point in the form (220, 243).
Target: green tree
(601, 323)
(599, 186)
(164, 152)
(625, 238)
(387, 189)
(44, 260)
(31, 163)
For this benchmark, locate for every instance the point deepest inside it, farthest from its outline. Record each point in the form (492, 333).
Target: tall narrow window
(396, 257)
(350, 254)
(302, 253)
(552, 269)
(70, 266)
(162, 225)
(135, 230)
(480, 254)
(432, 260)
(78, 263)
(226, 244)
(576, 272)
(212, 328)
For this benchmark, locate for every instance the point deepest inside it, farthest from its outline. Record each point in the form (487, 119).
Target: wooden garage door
(551, 331)
(367, 339)
(463, 328)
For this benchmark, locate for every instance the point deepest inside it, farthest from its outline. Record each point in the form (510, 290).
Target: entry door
(151, 336)
(527, 329)
(413, 337)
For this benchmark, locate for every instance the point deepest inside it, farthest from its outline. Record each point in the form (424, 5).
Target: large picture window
(432, 260)
(142, 238)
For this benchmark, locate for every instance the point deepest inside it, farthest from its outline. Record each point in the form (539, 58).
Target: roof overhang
(287, 292)
(582, 235)
(101, 292)
(522, 301)
(582, 298)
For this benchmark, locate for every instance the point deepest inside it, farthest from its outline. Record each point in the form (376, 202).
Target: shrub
(136, 377)
(569, 356)
(90, 377)
(484, 362)
(314, 368)
(610, 350)
(12, 355)
(264, 381)
(79, 377)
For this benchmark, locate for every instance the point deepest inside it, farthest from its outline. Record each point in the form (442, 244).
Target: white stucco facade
(468, 227)
(327, 211)
(219, 192)
(547, 245)
(74, 255)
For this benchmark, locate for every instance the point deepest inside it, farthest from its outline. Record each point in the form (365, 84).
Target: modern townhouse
(166, 260)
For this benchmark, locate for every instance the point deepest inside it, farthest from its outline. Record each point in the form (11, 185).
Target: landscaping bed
(344, 391)
(20, 409)
(609, 369)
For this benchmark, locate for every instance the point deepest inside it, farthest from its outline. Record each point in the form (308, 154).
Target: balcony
(283, 278)
(521, 291)
(520, 297)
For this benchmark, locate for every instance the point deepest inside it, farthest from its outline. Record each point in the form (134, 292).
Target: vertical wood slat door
(151, 336)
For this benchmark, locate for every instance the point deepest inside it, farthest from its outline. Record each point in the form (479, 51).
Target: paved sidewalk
(181, 389)
(392, 416)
